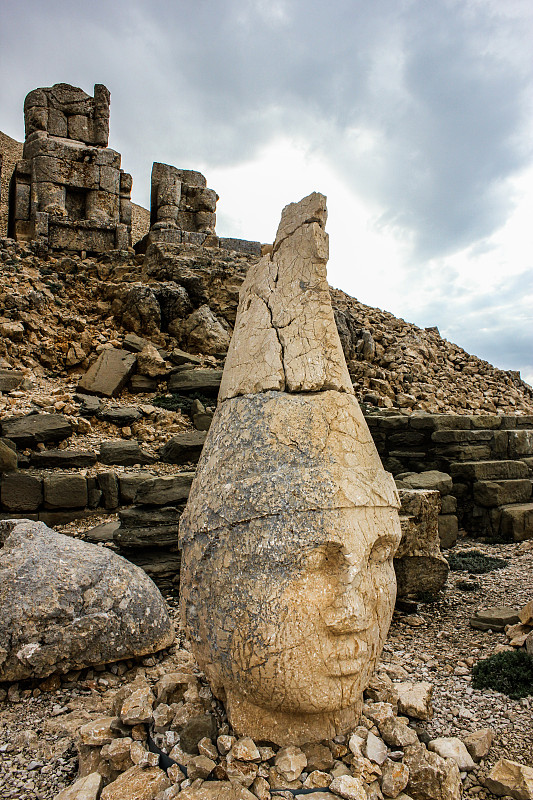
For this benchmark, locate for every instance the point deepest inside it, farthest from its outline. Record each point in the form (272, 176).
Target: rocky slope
(58, 312)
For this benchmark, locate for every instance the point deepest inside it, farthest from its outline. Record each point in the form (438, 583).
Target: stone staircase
(489, 457)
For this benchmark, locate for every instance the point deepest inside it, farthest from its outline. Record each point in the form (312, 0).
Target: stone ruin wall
(66, 189)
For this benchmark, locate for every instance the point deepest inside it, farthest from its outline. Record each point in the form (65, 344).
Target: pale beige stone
(526, 614)
(430, 776)
(478, 743)
(291, 525)
(285, 336)
(317, 780)
(117, 753)
(138, 707)
(87, 788)
(290, 762)
(452, 747)
(98, 732)
(137, 784)
(395, 777)
(143, 757)
(245, 750)
(375, 749)
(349, 788)
(414, 699)
(217, 790)
(509, 778)
(200, 767)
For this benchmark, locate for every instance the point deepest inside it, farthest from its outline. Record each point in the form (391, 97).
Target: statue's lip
(348, 660)
(343, 666)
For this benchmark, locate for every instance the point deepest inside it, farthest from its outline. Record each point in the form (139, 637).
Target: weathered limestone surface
(419, 563)
(291, 525)
(66, 604)
(285, 337)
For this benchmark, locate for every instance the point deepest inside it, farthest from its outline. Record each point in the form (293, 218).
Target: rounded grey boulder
(66, 604)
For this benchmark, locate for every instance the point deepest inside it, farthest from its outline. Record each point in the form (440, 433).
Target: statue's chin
(288, 727)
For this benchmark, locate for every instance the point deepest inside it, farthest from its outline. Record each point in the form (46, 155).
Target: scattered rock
(414, 699)
(30, 430)
(452, 747)
(510, 779)
(109, 374)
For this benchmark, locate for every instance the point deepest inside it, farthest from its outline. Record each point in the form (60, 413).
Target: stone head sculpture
(288, 537)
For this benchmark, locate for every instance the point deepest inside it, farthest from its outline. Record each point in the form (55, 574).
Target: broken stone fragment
(509, 778)
(452, 747)
(87, 788)
(291, 523)
(414, 699)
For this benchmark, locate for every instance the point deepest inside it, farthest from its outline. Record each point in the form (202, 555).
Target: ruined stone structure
(69, 191)
(291, 526)
(181, 204)
(182, 211)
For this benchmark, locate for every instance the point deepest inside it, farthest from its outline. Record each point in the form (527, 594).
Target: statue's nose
(348, 613)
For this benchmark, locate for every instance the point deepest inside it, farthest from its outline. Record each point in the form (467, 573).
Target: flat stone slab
(489, 470)
(65, 490)
(109, 374)
(103, 532)
(63, 459)
(184, 448)
(195, 380)
(499, 493)
(120, 415)
(143, 527)
(32, 429)
(67, 604)
(124, 453)
(165, 490)
(495, 618)
(19, 492)
(10, 379)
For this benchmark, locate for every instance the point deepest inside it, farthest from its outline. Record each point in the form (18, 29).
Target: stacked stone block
(183, 211)
(490, 458)
(69, 191)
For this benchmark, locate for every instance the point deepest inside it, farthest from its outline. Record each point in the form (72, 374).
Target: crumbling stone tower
(69, 191)
(181, 205)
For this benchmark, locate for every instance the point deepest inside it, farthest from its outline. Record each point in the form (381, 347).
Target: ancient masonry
(69, 191)
(289, 478)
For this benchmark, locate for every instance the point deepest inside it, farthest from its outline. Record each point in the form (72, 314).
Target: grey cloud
(210, 82)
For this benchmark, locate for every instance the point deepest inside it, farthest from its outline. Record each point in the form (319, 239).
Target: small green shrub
(510, 673)
(474, 561)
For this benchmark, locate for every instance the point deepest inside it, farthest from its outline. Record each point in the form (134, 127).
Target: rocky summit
(115, 332)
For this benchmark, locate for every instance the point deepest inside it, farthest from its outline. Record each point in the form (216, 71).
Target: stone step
(516, 521)
(491, 494)
(488, 470)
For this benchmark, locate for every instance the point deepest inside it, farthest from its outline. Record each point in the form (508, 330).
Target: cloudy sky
(414, 117)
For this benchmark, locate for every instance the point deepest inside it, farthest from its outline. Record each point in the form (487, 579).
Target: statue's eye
(382, 550)
(327, 557)
(315, 560)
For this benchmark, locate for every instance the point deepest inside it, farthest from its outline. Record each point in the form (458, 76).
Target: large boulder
(66, 604)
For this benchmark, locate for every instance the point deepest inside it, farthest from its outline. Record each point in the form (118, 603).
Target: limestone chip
(137, 784)
(509, 778)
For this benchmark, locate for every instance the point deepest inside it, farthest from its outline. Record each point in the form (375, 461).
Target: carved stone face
(319, 633)
(308, 624)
